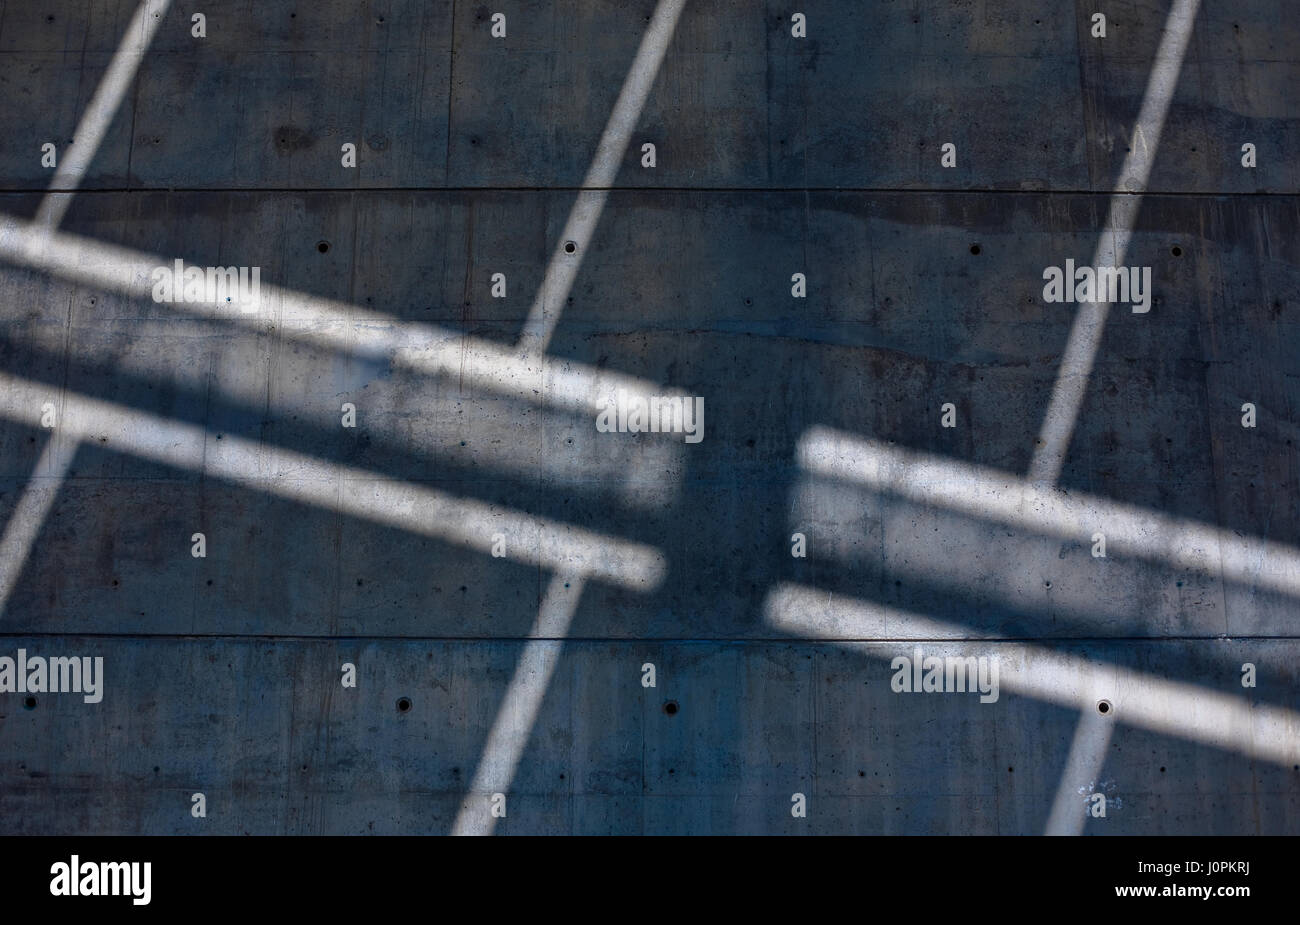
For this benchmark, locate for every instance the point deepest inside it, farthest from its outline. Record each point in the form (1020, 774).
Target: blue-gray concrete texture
(775, 155)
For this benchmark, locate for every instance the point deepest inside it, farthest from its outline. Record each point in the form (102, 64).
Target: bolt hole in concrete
(323, 246)
(975, 249)
(1104, 707)
(570, 247)
(403, 704)
(29, 703)
(671, 708)
(1176, 251)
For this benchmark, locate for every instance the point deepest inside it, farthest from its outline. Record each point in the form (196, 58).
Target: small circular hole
(1104, 707)
(323, 246)
(1176, 251)
(570, 247)
(975, 249)
(29, 703)
(403, 704)
(671, 708)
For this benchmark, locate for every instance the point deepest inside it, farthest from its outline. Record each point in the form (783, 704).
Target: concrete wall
(775, 155)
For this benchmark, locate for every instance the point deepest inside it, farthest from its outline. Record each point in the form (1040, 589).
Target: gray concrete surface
(775, 155)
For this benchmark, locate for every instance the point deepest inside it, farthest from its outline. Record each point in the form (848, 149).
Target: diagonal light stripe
(1002, 498)
(519, 708)
(1188, 711)
(420, 510)
(1085, 335)
(33, 507)
(585, 214)
(100, 112)
(1089, 323)
(1082, 768)
(478, 363)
